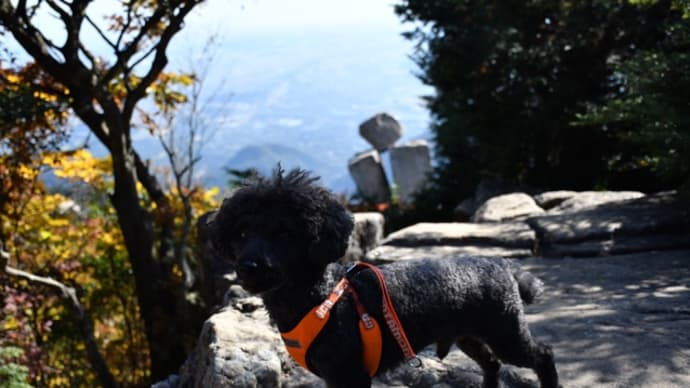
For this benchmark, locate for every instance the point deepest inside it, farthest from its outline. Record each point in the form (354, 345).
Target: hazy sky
(242, 16)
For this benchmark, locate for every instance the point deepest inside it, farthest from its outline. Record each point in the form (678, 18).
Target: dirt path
(620, 321)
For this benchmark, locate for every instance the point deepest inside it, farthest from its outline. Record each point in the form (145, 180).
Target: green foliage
(510, 78)
(12, 374)
(653, 110)
(236, 178)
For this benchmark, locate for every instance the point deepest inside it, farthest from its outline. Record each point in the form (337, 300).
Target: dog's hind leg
(482, 355)
(442, 348)
(514, 344)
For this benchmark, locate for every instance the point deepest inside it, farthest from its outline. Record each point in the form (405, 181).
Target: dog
(284, 235)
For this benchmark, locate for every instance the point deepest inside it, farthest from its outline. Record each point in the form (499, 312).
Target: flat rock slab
(507, 234)
(582, 200)
(387, 254)
(654, 214)
(620, 321)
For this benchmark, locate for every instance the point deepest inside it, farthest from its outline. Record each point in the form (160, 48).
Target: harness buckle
(415, 362)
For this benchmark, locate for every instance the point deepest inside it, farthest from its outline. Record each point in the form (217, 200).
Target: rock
(617, 245)
(367, 171)
(456, 370)
(659, 221)
(588, 199)
(507, 234)
(387, 253)
(235, 350)
(464, 211)
(486, 189)
(550, 199)
(173, 381)
(514, 206)
(411, 163)
(381, 131)
(366, 235)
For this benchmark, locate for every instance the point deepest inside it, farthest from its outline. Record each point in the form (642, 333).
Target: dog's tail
(530, 286)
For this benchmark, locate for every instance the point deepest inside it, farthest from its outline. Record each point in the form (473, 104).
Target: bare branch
(17, 21)
(66, 18)
(123, 56)
(125, 27)
(101, 33)
(160, 59)
(85, 323)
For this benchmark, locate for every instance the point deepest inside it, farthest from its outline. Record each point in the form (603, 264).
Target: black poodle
(284, 235)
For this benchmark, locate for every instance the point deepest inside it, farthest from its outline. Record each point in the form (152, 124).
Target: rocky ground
(619, 321)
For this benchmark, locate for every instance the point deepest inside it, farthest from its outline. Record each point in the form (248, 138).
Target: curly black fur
(284, 235)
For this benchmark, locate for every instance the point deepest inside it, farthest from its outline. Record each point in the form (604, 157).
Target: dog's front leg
(353, 380)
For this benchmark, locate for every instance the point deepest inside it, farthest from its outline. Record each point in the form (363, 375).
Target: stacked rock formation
(410, 162)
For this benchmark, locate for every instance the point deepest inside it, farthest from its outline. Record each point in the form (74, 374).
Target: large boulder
(588, 199)
(660, 221)
(388, 253)
(381, 131)
(477, 237)
(366, 235)
(550, 199)
(506, 207)
(486, 189)
(235, 349)
(367, 172)
(239, 348)
(411, 163)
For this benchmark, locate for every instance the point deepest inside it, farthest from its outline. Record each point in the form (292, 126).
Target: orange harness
(299, 339)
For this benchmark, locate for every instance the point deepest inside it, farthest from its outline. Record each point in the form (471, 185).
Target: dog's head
(281, 229)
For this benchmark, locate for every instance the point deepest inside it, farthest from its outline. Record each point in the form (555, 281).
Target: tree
(653, 109)
(104, 93)
(510, 78)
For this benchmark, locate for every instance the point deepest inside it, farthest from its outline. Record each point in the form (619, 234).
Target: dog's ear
(333, 235)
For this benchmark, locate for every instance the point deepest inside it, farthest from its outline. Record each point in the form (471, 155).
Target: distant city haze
(292, 81)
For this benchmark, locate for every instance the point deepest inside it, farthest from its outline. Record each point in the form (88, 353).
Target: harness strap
(299, 339)
(391, 316)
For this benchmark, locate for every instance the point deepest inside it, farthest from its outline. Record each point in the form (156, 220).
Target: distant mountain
(265, 157)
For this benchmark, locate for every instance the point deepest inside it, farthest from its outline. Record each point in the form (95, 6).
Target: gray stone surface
(617, 224)
(366, 235)
(235, 349)
(507, 234)
(381, 131)
(389, 253)
(367, 172)
(620, 321)
(506, 207)
(465, 209)
(238, 348)
(551, 199)
(486, 189)
(588, 199)
(411, 163)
